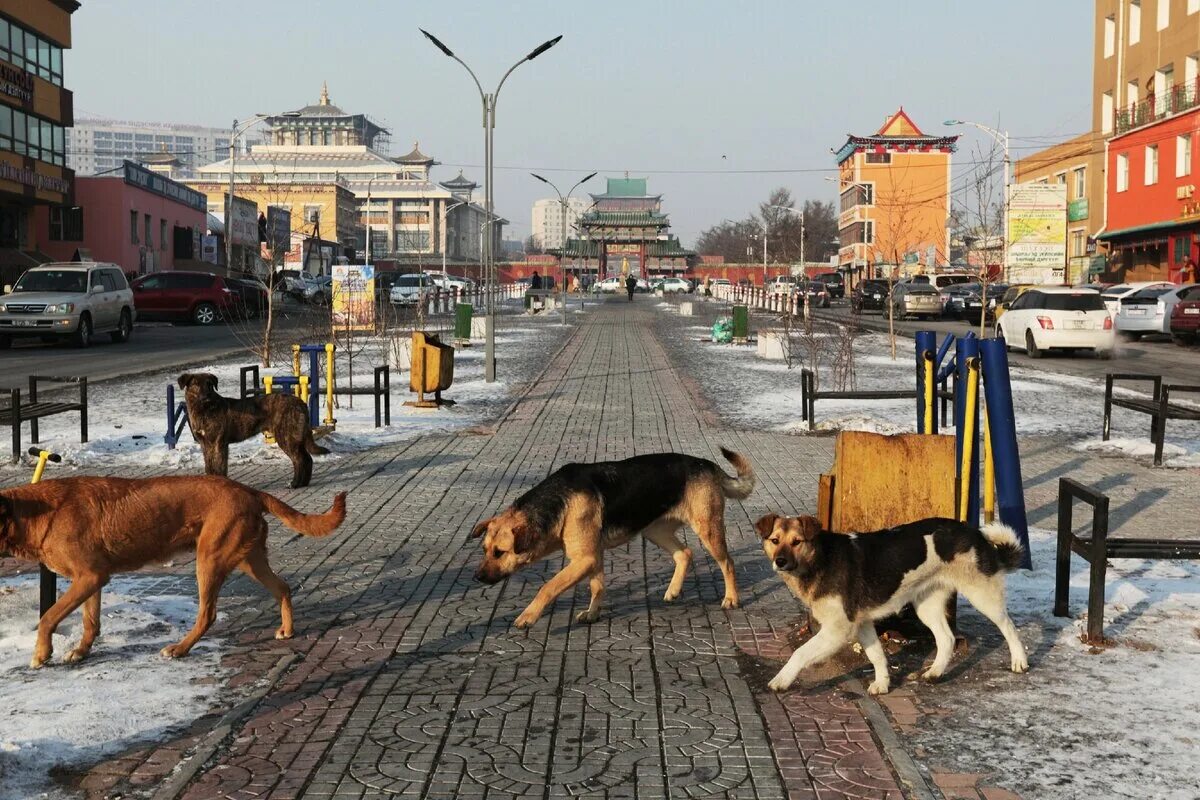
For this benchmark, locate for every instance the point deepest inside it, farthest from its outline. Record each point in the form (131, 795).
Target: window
(162, 234)
(118, 279)
(1193, 6)
(1110, 36)
(1183, 155)
(153, 282)
(133, 237)
(1078, 243)
(312, 214)
(1122, 172)
(97, 279)
(1151, 164)
(1061, 301)
(1080, 183)
(29, 52)
(1183, 247)
(1106, 113)
(110, 283)
(1164, 14)
(149, 234)
(66, 224)
(1061, 178)
(1164, 82)
(1131, 93)
(1135, 22)
(1191, 70)
(879, 158)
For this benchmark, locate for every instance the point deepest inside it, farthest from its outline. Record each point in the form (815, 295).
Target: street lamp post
(1001, 138)
(562, 250)
(488, 101)
(446, 209)
(865, 190)
(234, 132)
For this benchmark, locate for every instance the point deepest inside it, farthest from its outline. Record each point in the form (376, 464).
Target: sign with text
(1037, 227)
(139, 176)
(241, 222)
(354, 297)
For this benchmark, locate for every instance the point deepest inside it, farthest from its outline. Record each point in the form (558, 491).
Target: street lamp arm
(549, 183)
(537, 51)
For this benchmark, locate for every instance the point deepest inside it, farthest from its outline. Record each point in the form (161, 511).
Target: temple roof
(897, 132)
(460, 183)
(415, 157)
(625, 187)
(624, 218)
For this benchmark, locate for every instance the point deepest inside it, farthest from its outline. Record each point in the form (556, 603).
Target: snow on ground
(67, 715)
(127, 418)
(1117, 722)
(758, 393)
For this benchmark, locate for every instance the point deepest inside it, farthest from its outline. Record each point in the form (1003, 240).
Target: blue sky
(684, 93)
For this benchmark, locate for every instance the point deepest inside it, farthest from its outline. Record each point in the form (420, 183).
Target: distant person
(630, 286)
(1188, 273)
(535, 281)
(575, 285)
(707, 286)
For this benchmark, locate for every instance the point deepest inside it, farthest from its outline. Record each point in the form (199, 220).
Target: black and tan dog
(849, 581)
(584, 509)
(218, 422)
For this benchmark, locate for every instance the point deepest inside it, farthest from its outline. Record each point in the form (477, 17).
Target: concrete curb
(907, 772)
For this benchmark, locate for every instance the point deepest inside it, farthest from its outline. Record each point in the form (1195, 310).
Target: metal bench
(1159, 406)
(381, 391)
(809, 396)
(32, 410)
(1097, 549)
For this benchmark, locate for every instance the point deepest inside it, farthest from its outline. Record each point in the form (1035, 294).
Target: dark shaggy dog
(87, 529)
(849, 581)
(583, 509)
(218, 421)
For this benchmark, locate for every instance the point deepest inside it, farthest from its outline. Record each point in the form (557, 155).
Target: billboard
(242, 225)
(354, 297)
(1037, 232)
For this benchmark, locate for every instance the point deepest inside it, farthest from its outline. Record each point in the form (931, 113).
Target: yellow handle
(296, 360)
(928, 392)
(43, 456)
(969, 413)
(989, 472)
(329, 379)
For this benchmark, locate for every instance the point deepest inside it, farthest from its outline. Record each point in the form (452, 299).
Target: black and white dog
(848, 582)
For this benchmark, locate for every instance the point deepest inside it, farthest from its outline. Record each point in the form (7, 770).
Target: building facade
(35, 111)
(412, 219)
(548, 220)
(625, 232)
(894, 201)
(1073, 164)
(138, 220)
(97, 145)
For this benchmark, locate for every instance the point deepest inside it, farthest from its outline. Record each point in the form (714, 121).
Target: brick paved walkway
(406, 678)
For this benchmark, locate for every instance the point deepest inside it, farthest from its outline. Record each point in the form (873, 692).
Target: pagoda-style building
(626, 232)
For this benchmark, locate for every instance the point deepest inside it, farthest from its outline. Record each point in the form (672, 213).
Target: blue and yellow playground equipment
(48, 581)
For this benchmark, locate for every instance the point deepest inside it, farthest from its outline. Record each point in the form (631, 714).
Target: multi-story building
(412, 219)
(97, 145)
(35, 111)
(894, 200)
(1073, 163)
(548, 220)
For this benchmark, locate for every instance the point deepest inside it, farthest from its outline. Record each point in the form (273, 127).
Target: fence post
(170, 437)
(1010, 494)
(1062, 556)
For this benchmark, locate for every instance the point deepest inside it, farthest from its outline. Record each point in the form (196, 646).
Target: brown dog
(584, 509)
(86, 529)
(218, 422)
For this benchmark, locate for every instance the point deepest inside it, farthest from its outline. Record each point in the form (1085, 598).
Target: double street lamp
(234, 132)
(564, 202)
(488, 101)
(1001, 138)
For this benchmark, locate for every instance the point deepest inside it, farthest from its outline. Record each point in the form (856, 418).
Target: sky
(716, 103)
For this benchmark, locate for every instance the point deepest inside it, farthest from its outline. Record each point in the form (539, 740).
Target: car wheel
(1031, 348)
(1104, 355)
(83, 335)
(1181, 340)
(204, 314)
(124, 329)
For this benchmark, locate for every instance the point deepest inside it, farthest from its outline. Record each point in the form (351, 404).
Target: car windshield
(53, 280)
(408, 280)
(1083, 301)
(1149, 294)
(918, 288)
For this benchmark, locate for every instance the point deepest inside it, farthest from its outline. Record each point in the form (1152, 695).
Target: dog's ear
(184, 380)
(212, 381)
(809, 527)
(523, 538)
(766, 525)
(481, 528)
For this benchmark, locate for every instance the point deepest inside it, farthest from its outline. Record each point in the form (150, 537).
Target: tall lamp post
(489, 125)
(866, 190)
(234, 132)
(1001, 138)
(446, 209)
(562, 252)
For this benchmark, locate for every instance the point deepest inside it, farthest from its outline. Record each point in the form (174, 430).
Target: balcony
(1179, 98)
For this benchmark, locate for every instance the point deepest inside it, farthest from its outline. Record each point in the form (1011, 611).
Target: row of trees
(740, 241)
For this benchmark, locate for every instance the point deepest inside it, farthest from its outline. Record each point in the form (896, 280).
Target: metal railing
(1179, 98)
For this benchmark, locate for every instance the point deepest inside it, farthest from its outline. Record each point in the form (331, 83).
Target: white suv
(1047, 317)
(68, 300)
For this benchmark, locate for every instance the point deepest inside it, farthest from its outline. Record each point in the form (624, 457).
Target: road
(1155, 356)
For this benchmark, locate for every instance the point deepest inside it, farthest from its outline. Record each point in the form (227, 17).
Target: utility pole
(563, 202)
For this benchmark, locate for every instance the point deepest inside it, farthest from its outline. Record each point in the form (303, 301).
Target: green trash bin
(462, 321)
(741, 323)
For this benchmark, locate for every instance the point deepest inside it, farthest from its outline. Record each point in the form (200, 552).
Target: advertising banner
(1037, 232)
(354, 297)
(242, 224)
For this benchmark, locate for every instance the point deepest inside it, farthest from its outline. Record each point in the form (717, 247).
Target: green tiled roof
(668, 248)
(626, 187)
(624, 218)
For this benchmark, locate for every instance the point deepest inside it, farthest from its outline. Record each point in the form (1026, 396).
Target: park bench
(250, 385)
(809, 396)
(1097, 548)
(31, 410)
(1159, 406)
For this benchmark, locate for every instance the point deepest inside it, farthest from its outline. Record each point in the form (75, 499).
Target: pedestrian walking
(575, 285)
(1188, 273)
(707, 286)
(535, 281)
(630, 285)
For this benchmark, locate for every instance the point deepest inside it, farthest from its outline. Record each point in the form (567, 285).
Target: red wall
(1141, 204)
(106, 204)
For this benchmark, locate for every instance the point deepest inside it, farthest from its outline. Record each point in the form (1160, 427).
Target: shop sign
(35, 179)
(16, 83)
(142, 178)
(1077, 209)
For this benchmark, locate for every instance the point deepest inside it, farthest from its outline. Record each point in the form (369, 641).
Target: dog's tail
(1008, 546)
(738, 488)
(307, 524)
(314, 449)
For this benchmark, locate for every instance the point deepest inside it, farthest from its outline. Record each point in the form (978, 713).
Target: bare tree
(978, 218)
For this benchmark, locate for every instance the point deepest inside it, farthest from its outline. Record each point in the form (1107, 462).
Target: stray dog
(218, 421)
(86, 529)
(584, 509)
(849, 581)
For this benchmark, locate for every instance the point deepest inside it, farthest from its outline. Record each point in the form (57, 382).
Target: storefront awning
(1145, 231)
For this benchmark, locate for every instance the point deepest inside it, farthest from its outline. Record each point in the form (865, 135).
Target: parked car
(410, 289)
(68, 300)
(818, 295)
(1010, 296)
(318, 290)
(447, 282)
(834, 282)
(674, 286)
(1185, 317)
(745, 282)
(784, 285)
(1047, 317)
(383, 285)
(1114, 294)
(610, 285)
(870, 294)
(290, 281)
(1148, 311)
(199, 297)
(916, 299)
(252, 296)
(962, 301)
(942, 280)
(721, 282)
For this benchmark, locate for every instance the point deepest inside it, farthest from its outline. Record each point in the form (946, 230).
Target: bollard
(329, 383)
(989, 472)
(741, 324)
(968, 456)
(967, 349)
(926, 342)
(296, 360)
(1010, 494)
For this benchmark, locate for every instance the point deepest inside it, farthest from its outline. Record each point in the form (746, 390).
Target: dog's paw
(283, 633)
(672, 595)
(932, 675)
(781, 681)
(525, 620)
(880, 686)
(587, 616)
(173, 651)
(1020, 664)
(78, 654)
(729, 602)
(38, 662)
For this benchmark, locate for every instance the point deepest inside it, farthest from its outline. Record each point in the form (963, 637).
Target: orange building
(895, 200)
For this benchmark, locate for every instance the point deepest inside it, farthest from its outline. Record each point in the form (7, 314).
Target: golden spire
(324, 93)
